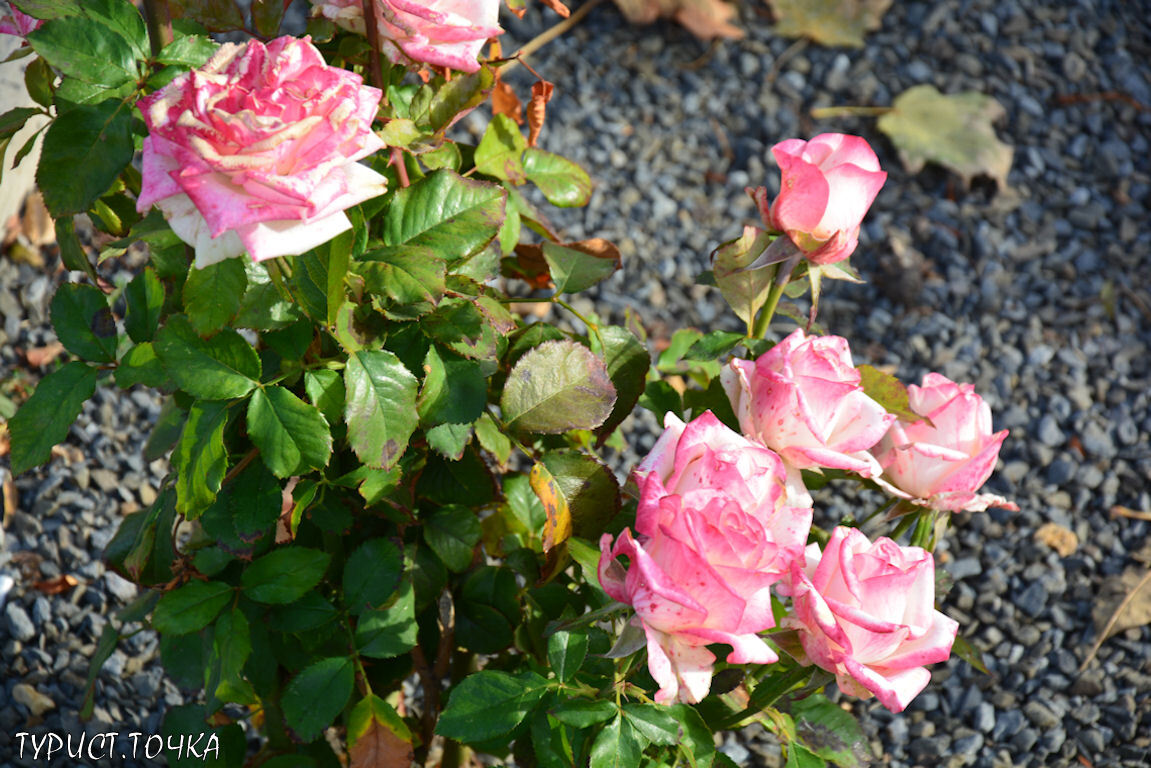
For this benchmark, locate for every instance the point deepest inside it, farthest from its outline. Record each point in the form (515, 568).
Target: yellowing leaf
(954, 131)
(829, 22)
(377, 737)
(558, 527)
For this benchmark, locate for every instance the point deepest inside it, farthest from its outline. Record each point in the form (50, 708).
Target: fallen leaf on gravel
(1062, 540)
(29, 564)
(705, 19)
(38, 357)
(57, 585)
(829, 22)
(954, 131)
(1124, 602)
(8, 491)
(69, 453)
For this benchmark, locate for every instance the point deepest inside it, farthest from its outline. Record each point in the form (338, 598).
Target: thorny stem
(159, 21)
(376, 75)
(401, 167)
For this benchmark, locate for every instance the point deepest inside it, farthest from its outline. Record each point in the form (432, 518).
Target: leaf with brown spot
(829, 22)
(377, 736)
(558, 527)
(57, 585)
(537, 109)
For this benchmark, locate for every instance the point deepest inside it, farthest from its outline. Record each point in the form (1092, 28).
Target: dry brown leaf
(705, 19)
(57, 585)
(36, 223)
(29, 564)
(9, 493)
(537, 109)
(38, 357)
(829, 22)
(380, 747)
(505, 102)
(1062, 540)
(1126, 599)
(558, 7)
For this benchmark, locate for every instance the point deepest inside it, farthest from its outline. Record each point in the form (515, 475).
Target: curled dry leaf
(829, 22)
(558, 7)
(505, 102)
(954, 131)
(705, 19)
(1062, 540)
(57, 585)
(537, 109)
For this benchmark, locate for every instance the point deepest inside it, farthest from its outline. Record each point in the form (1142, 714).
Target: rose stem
(376, 75)
(159, 24)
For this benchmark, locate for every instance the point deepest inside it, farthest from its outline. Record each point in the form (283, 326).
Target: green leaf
(461, 326)
(84, 151)
(713, 346)
(145, 299)
(219, 368)
(410, 278)
(454, 390)
(200, 460)
(212, 294)
(123, 18)
(454, 217)
(372, 574)
(744, 289)
(309, 612)
(264, 306)
(391, 631)
(192, 51)
(566, 652)
(316, 695)
(182, 725)
(381, 406)
(109, 639)
(695, 737)
(452, 533)
(830, 732)
(233, 644)
(489, 704)
(216, 15)
(578, 266)
(653, 723)
(44, 420)
(799, 756)
(38, 79)
(293, 436)
(584, 713)
(557, 386)
(501, 150)
(139, 365)
(86, 50)
(969, 653)
(255, 501)
(460, 94)
(627, 362)
(563, 183)
(83, 322)
(71, 252)
(309, 285)
(191, 607)
(325, 389)
(166, 432)
(616, 746)
(267, 16)
(339, 260)
(284, 575)
(589, 489)
(493, 440)
(49, 9)
(952, 130)
(487, 610)
(888, 391)
(13, 120)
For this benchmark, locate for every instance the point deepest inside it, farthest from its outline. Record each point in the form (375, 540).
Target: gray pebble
(19, 625)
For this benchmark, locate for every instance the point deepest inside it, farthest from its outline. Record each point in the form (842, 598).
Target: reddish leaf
(57, 585)
(537, 109)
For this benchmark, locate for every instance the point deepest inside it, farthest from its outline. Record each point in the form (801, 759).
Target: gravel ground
(1037, 294)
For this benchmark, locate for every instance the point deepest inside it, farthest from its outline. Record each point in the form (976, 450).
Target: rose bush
(827, 187)
(803, 399)
(256, 151)
(943, 460)
(444, 33)
(866, 612)
(719, 521)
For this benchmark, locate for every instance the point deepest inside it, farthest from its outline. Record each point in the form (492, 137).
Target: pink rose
(827, 186)
(719, 521)
(943, 464)
(18, 23)
(444, 33)
(257, 151)
(866, 612)
(803, 399)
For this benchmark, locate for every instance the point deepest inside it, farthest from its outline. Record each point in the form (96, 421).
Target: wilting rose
(445, 33)
(943, 464)
(803, 399)
(719, 521)
(257, 151)
(18, 23)
(866, 612)
(827, 186)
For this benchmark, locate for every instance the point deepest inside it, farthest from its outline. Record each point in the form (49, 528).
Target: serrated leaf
(45, 418)
(284, 575)
(200, 460)
(584, 713)
(566, 652)
(489, 704)
(191, 51)
(293, 436)
(219, 368)
(500, 152)
(391, 631)
(557, 386)
(493, 440)
(616, 746)
(410, 278)
(83, 322)
(829, 22)
(627, 362)
(952, 130)
(144, 297)
(452, 533)
(888, 391)
(381, 406)
(829, 732)
(454, 390)
(575, 267)
(139, 365)
(562, 182)
(460, 94)
(191, 607)
(325, 389)
(86, 50)
(316, 695)
(454, 217)
(255, 501)
(378, 736)
(653, 722)
(743, 286)
(84, 151)
(372, 574)
(589, 489)
(212, 294)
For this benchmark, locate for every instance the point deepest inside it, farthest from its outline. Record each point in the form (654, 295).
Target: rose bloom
(18, 23)
(803, 399)
(866, 612)
(719, 521)
(256, 151)
(444, 33)
(827, 186)
(943, 464)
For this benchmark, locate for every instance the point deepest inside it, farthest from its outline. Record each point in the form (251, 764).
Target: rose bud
(719, 521)
(256, 151)
(827, 186)
(804, 400)
(866, 612)
(942, 464)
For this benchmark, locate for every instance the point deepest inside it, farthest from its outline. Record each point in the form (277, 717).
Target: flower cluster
(724, 517)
